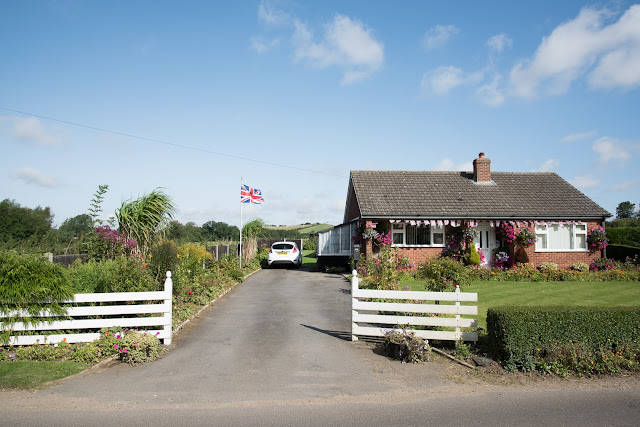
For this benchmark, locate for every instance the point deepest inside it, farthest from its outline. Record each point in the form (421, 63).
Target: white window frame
(574, 233)
(403, 231)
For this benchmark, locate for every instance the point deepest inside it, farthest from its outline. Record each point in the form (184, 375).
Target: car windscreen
(282, 246)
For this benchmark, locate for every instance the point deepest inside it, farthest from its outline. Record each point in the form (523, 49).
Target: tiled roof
(456, 195)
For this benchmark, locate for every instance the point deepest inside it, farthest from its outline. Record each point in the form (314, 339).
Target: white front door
(485, 240)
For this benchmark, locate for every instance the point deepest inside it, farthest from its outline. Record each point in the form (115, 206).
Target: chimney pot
(481, 155)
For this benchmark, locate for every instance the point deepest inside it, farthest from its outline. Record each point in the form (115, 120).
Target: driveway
(277, 350)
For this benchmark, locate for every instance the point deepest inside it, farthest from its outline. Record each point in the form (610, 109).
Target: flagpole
(240, 228)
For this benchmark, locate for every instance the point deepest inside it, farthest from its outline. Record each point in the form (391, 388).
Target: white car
(285, 253)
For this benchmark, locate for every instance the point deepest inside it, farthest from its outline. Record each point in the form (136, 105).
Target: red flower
(190, 292)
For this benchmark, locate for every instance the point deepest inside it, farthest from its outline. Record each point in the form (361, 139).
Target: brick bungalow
(421, 208)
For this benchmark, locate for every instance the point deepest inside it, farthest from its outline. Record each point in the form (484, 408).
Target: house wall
(418, 255)
(563, 259)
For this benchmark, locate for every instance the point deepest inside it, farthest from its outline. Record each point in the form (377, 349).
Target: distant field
(315, 228)
(301, 228)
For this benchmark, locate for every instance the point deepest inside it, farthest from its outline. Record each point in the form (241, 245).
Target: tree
(625, 210)
(216, 231)
(253, 228)
(76, 226)
(145, 218)
(19, 223)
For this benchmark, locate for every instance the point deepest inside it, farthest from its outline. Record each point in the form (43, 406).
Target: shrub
(131, 274)
(443, 274)
(406, 346)
(548, 267)
(474, 256)
(31, 284)
(92, 276)
(105, 243)
(163, 258)
(501, 259)
(601, 264)
(518, 336)
(130, 346)
(138, 347)
(580, 266)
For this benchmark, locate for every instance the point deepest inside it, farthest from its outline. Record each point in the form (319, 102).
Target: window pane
(581, 241)
(559, 237)
(541, 228)
(581, 227)
(438, 238)
(541, 241)
(397, 226)
(397, 238)
(418, 235)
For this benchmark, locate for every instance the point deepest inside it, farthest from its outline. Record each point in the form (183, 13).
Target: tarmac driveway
(283, 335)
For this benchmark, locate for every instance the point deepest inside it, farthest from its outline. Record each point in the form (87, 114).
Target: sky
(197, 97)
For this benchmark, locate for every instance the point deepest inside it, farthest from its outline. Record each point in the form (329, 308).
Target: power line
(171, 144)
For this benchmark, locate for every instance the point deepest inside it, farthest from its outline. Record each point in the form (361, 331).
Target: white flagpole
(240, 227)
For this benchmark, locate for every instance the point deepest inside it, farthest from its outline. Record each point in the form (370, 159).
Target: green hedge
(628, 236)
(620, 252)
(517, 334)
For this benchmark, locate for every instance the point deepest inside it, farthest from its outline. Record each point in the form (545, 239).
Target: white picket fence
(367, 313)
(125, 316)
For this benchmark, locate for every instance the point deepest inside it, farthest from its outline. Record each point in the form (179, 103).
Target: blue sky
(289, 96)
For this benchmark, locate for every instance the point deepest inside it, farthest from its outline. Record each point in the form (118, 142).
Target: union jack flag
(250, 195)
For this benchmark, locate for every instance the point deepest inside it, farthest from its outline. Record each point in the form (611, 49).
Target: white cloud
(491, 93)
(260, 45)
(499, 42)
(585, 181)
(608, 54)
(579, 136)
(35, 177)
(31, 129)
(439, 35)
(609, 149)
(447, 164)
(548, 166)
(625, 186)
(444, 79)
(268, 14)
(346, 43)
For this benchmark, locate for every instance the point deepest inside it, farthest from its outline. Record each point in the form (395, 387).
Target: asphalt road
(277, 351)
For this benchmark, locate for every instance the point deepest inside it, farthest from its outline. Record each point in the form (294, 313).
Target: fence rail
(378, 325)
(110, 316)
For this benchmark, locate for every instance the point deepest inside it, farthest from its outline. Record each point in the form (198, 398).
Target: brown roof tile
(456, 195)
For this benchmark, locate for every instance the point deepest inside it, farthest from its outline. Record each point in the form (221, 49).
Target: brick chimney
(482, 169)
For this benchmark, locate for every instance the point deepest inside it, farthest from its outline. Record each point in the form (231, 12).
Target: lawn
(496, 294)
(309, 258)
(30, 374)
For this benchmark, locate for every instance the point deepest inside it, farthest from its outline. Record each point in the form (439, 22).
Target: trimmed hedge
(620, 252)
(628, 236)
(517, 334)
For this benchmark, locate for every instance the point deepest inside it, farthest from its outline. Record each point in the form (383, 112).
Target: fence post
(458, 333)
(168, 301)
(354, 288)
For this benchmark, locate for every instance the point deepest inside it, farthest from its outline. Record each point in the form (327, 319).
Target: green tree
(145, 218)
(76, 226)
(19, 223)
(180, 233)
(215, 231)
(625, 210)
(253, 228)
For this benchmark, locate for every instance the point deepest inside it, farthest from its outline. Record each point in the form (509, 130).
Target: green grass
(499, 294)
(309, 258)
(31, 374)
